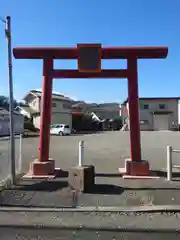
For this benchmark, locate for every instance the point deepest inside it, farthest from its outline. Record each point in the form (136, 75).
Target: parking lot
(106, 151)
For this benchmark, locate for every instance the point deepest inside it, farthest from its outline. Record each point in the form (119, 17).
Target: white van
(60, 129)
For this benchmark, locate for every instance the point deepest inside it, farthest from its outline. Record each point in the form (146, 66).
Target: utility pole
(11, 101)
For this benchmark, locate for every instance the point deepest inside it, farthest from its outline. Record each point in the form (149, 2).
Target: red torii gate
(135, 165)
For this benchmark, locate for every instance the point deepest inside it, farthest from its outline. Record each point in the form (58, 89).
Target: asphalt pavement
(49, 234)
(106, 151)
(55, 226)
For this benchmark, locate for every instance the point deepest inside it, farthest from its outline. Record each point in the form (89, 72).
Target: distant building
(155, 113)
(102, 110)
(25, 110)
(61, 108)
(5, 123)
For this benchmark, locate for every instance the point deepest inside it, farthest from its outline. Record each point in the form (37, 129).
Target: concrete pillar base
(133, 168)
(82, 178)
(43, 170)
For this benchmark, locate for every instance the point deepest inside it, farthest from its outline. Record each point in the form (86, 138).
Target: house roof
(84, 104)
(155, 98)
(55, 96)
(79, 104)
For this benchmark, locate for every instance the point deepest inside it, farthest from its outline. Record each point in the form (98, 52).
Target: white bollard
(169, 163)
(81, 153)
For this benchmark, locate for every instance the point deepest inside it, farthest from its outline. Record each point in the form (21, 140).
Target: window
(146, 106)
(162, 106)
(144, 122)
(53, 104)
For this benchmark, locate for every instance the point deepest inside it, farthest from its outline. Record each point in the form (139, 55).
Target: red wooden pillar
(133, 100)
(44, 167)
(134, 166)
(46, 108)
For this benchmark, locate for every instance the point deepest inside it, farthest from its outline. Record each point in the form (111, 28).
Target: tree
(85, 123)
(4, 102)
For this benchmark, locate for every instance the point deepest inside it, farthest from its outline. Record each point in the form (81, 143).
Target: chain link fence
(5, 158)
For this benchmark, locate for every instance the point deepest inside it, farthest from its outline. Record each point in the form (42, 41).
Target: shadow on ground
(110, 190)
(107, 189)
(57, 193)
(61, 173)
(108, 175)
(158, 173)
(47, 186)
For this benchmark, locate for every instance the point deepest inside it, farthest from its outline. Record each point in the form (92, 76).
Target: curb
(90, 229)
(129, 209)
(4, 138)
(8, 138)
(6, 184)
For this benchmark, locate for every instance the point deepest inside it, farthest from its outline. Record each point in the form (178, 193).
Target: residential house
(5, 122)
(25, 110)
(61, 108)
(155, 113)
(102, 110)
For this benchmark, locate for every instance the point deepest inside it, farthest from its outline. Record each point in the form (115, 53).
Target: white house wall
(24, 113)
(56, 118)
(63, 118)
(146, 116)
(57, 106)
(61, 112)
(35, 104)
(172, 105)
(61, 106)
(18, 126)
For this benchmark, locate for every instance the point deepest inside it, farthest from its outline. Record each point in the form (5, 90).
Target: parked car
(60, 129)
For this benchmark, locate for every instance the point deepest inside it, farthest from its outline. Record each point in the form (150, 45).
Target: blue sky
(112, 23)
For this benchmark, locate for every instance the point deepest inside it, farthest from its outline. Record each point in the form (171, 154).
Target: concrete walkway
(19, 206)
(108, 191)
